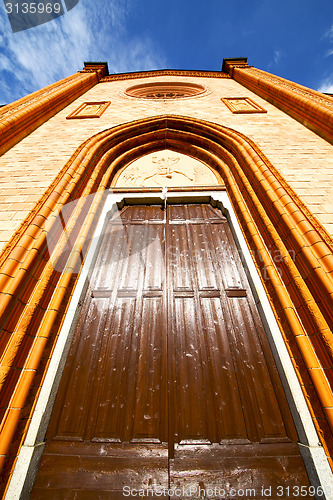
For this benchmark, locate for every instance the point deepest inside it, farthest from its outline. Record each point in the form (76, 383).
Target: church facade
(167, 286)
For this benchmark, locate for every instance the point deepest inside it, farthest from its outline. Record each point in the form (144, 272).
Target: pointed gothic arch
(291, 250)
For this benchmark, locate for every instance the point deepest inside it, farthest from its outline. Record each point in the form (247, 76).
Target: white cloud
(277, 55)
(5, 63)
(327, 85)
(93, 30)
(329, 33)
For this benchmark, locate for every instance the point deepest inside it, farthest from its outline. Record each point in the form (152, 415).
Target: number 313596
(299, 491)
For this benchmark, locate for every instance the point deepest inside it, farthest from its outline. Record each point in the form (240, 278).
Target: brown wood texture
(170, 381)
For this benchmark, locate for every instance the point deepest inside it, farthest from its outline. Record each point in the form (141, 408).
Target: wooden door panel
(111, 378)
(133, 265)
(150, 406)
(120, 346)
(255, 372)
(237, 468)
(202, 257)
(227, 404)
(74, 401)
(258, 413)
(227, 260)
(179, 259)
(170, 378)
(99, 468)
(111, 259)
(188, 383)
(154, 262)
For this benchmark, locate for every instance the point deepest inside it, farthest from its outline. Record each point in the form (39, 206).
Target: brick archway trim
(292, 251)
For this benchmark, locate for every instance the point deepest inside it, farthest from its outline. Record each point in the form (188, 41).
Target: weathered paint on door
(170, 381)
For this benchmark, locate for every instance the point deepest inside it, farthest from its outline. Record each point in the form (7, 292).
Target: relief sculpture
(164, 168)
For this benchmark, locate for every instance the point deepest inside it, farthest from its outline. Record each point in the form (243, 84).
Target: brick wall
(303, 158)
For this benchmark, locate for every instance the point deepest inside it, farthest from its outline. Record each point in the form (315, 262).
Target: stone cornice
(164, 72)
(100, 68)
(234, 62)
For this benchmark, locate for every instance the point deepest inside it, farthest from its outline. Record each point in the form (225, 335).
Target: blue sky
(291, 38)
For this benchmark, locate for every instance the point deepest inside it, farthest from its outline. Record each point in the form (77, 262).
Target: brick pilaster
(20, 118)
(311, 108)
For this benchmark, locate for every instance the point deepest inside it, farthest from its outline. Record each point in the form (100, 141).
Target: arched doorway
(236, 160)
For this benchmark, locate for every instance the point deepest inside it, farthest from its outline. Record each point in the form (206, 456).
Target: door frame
(312, 452)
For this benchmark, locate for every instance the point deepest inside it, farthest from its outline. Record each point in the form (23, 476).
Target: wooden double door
(170, 383)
